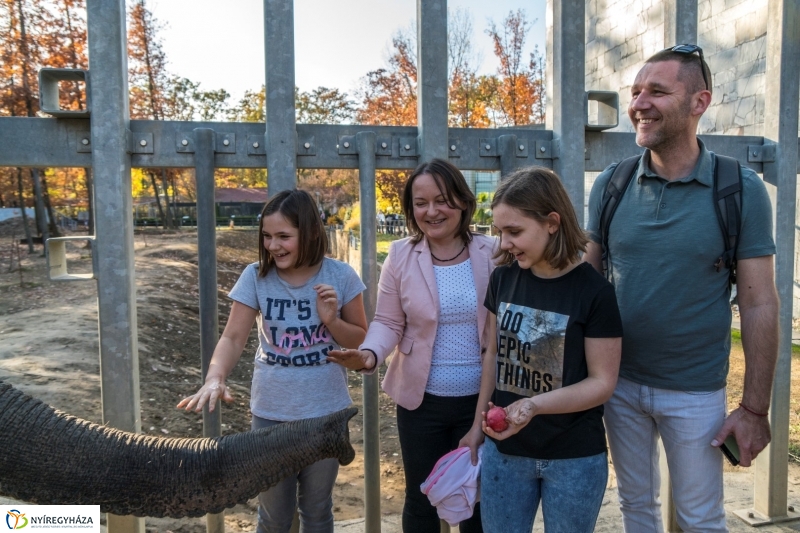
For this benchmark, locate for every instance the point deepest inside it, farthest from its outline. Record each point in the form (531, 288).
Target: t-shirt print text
(530, 349)
(284, 339)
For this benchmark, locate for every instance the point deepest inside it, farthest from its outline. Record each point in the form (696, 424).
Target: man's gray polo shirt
(663, 242)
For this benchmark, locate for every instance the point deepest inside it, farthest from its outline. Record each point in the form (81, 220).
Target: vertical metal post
(680, 22)
(280, 139)
(365, 143)
(116, 288)
(41, 214)
(432, 79)
(207, 281)
(566, 58)
(281, 134)
(680, 26)
(432, 86)
(507, 148)
(780, 126)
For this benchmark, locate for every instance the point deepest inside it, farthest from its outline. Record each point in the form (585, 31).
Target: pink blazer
(407, 313)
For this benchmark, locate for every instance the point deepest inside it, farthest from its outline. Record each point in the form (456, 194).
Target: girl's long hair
(536, 192)
(300, 209)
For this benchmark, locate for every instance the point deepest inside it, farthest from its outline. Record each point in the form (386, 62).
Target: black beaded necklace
(454, 257)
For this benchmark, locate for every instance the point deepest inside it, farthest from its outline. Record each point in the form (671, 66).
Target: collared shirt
(664, 240)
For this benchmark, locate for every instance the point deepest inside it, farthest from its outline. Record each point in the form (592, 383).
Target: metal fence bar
(507, 147)
(281, 137)
(43, 142)
(116, 288)
(780, 126)
(566, 58)
(41, 214)
(365, 143)
(680, 22)
(432, 86)
(207, 282)
(432, 78)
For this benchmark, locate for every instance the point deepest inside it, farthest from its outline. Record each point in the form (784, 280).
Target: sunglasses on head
(690, 49)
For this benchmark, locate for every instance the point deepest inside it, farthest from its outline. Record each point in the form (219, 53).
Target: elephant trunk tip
(339, 421)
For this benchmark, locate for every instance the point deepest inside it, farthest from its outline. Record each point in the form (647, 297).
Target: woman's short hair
(452, 186)
(537, 192)
(299, 208)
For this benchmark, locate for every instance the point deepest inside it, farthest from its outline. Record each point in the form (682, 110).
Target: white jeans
(687, 421)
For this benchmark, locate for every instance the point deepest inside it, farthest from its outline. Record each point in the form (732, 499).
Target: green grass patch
(736, 342)
(384, 240)
(794, 452)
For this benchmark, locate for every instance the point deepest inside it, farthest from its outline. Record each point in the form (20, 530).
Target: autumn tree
(519, 90)
(323, 106)
(389, 95)
(158, 95)
(332, 187)
(469, 95)
(25, 26)
(70, 51)
(319, 106)
(148, 79)
(185, 100)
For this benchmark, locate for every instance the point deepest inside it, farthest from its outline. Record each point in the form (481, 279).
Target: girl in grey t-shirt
(307, 305)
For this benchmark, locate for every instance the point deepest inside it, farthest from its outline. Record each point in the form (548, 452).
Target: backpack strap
(728, 205)
(615, 188)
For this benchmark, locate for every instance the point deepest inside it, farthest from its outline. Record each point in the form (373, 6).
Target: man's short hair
(689, 73)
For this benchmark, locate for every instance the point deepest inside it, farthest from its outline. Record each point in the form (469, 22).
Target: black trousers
(426, 434)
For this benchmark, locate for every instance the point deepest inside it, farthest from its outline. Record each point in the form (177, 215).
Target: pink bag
(453, 485)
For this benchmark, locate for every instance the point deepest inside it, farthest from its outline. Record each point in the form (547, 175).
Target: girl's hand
(472, 440)
(213, 390)
(518, 414)
(353, 359)
(327, 303)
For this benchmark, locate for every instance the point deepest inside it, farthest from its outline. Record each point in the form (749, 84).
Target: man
(663, 241)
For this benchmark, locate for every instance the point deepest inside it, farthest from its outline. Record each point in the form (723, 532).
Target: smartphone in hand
(730, 449)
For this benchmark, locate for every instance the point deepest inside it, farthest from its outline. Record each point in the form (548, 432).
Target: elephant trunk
(49, 457)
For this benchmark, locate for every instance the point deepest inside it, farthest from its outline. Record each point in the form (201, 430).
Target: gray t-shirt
(292, 378)
(663, 242)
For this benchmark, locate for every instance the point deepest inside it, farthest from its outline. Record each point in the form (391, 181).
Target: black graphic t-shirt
(541, 327)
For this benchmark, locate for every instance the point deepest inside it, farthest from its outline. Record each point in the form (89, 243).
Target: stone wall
(733, 35)
(621, 34)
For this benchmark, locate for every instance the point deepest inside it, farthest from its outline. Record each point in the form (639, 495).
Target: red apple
(496, 419)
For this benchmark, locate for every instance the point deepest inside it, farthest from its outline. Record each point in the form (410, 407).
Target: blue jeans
(571, 491)
(310, 489)
(687, 421)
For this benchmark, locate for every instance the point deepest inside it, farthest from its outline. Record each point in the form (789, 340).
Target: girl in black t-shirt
(554, 362)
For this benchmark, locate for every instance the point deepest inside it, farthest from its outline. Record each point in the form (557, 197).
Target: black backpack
(727, 202)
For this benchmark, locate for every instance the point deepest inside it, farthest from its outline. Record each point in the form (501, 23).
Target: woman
(431, 287)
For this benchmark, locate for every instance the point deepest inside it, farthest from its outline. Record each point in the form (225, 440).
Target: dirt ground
(49, 349)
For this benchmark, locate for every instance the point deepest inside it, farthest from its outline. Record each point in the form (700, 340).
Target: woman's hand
(213, 390)
(472, 440)
(518, 414)
(353, 359)
(327, 303)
